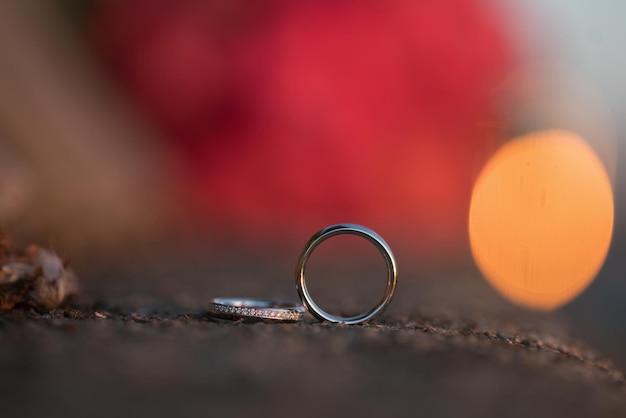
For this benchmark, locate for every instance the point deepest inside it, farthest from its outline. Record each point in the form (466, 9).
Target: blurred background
(176, 151)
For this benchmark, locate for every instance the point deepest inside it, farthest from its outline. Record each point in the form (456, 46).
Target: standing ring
(340, 229)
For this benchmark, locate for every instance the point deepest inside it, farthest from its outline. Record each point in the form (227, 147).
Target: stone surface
(110, 362)
(140, 343)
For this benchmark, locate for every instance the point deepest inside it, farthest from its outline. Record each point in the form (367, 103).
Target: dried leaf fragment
(36, 277)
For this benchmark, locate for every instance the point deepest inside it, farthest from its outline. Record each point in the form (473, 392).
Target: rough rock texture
(148, 348)
(108, 362)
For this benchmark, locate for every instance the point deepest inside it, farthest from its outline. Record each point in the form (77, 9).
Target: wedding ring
(340, 229)
(255, 309)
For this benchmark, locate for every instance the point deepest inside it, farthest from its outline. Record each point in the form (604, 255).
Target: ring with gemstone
(256, 309)
(341, 229)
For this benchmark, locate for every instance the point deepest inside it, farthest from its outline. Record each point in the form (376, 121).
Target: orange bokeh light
(541, 219)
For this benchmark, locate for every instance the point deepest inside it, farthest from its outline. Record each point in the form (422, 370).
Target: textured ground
(145, 349)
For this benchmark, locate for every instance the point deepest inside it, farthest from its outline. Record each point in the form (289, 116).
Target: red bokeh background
(287, 116)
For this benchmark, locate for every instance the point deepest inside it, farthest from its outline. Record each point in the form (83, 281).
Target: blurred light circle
(541, 219)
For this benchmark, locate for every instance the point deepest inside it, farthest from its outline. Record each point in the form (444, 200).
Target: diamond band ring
(256, 309)
(340, 229)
